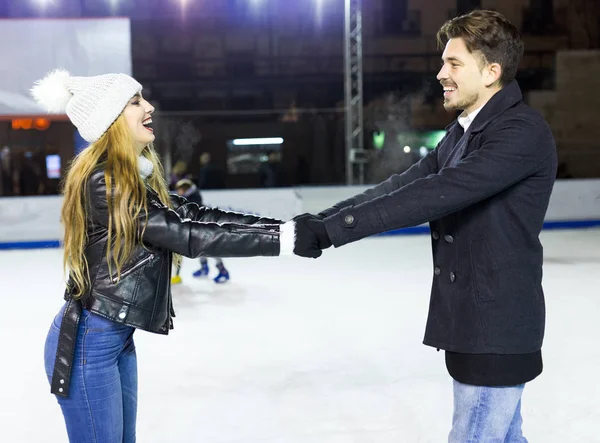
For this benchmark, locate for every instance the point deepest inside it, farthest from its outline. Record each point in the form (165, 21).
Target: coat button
(122, 315)
(435, 235)
(349, 219)
(452, 277)
(62, 381)
(437, 271)
(60, 389)
(448, 238)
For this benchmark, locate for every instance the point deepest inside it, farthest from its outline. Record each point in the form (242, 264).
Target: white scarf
(145, 167)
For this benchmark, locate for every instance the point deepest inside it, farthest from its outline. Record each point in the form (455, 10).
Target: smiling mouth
(148, 124)
(448, 90)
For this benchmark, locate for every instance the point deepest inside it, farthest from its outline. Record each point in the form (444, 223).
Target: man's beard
(463, 103)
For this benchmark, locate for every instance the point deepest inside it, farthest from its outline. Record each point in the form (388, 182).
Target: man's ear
(492, 74)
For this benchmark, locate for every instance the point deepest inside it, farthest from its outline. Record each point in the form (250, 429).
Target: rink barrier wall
(33, 222)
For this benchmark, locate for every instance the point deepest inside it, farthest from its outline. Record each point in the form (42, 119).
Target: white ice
(305, 351)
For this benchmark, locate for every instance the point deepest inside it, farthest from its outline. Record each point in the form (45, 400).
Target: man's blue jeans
(487, 414)
(102, 402)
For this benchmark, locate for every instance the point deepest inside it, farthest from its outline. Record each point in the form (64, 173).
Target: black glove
(318, 227)
(307, 215)
(311, 236)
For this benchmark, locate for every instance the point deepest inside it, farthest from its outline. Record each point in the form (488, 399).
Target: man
(484, 190)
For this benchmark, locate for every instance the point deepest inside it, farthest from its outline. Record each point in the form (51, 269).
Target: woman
(121, 231)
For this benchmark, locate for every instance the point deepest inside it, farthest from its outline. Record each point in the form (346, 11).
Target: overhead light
(258, 141)
(256, 4)
(43, 3)
(319, 10)
(407, 149)
(423, 151)
(114, 4)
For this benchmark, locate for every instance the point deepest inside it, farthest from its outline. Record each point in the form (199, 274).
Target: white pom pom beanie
(91, 103)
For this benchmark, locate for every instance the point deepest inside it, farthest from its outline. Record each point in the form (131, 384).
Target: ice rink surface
(294, 350)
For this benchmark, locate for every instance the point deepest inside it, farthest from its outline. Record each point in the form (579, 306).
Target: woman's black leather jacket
(141, 297)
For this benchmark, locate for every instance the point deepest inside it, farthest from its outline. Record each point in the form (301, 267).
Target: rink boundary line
(39, 244)
(417, 230)
(550, 225)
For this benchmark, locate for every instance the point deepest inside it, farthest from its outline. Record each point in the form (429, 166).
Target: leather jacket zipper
(256, 230)
(133, 268)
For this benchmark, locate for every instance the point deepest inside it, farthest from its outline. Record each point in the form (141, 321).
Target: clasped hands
(311, 236)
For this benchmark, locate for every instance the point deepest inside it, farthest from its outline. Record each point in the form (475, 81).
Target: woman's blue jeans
(102, 402)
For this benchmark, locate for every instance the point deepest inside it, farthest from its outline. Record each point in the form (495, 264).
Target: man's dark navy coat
(485, 193)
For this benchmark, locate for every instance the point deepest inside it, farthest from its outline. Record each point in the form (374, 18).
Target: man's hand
(307, 215)
(311, 236)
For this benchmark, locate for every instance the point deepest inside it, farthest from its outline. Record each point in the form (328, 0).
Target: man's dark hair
(490, 33)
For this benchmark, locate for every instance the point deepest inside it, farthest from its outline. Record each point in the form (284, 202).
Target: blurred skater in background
(186, 188)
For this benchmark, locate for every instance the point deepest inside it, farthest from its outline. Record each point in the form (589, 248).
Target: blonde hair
(125, 194)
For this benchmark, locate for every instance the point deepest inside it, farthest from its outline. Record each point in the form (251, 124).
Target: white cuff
(287, 238)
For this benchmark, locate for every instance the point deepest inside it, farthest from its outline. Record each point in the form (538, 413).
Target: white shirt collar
(465, 119)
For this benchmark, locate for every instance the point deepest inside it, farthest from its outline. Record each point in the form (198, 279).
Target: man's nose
(442, 74)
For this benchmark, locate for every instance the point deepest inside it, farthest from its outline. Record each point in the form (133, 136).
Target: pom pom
(52, 92)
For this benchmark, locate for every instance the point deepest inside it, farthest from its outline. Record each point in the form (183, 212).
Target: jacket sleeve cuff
(354, 223)
(287, 238)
